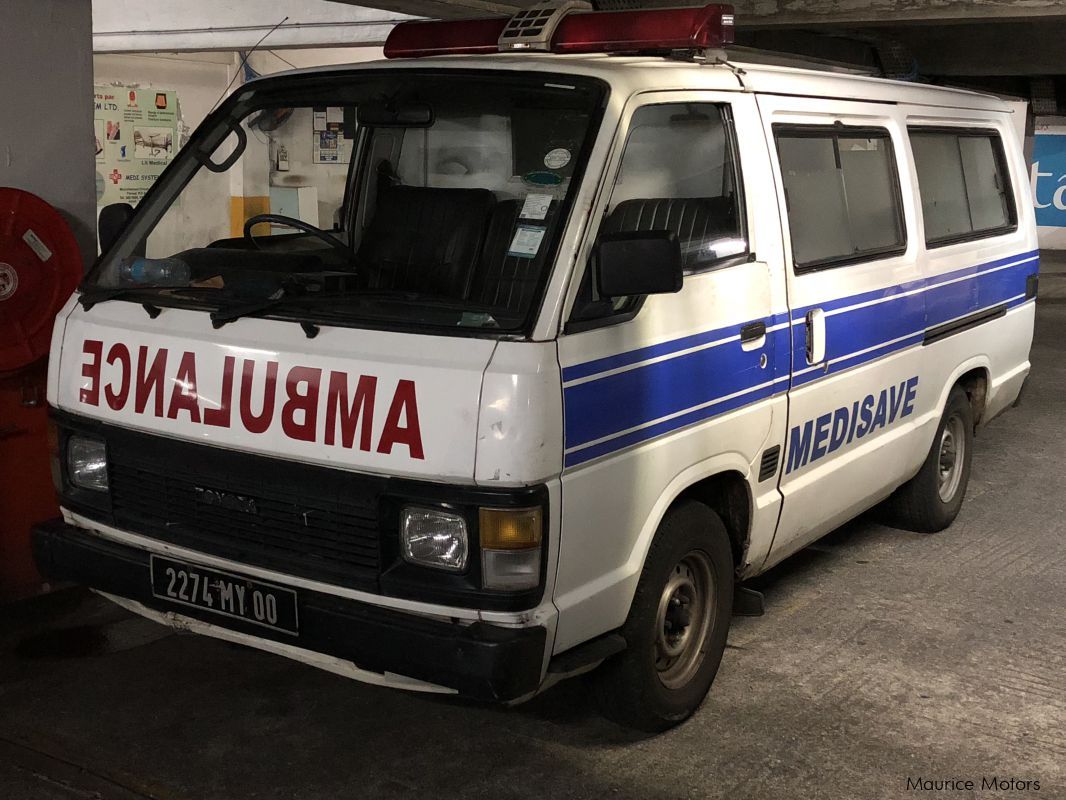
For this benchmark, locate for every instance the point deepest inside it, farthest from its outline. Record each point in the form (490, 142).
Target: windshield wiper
(91, 298)
(222, 316)
(283, 297)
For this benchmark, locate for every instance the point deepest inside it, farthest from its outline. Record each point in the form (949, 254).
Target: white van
(556, 348)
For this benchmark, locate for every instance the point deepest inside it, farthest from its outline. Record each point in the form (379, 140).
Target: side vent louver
(768, 467)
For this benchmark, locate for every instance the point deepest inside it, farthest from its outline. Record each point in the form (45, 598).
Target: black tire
(630, 687)
(918, 505)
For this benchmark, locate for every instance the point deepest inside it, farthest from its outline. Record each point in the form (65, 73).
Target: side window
(963, 180)
(678, 173)
(842, 192)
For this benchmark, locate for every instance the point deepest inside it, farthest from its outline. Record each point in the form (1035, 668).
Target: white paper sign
(536, 206)
(526, 242)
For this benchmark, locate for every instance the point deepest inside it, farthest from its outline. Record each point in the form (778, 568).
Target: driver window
(295, 164)
(678, 173)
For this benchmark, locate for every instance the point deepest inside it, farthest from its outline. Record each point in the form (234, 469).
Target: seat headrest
(697, 221)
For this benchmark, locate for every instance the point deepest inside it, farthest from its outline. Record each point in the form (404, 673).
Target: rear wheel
(931, 500)
(676, 629)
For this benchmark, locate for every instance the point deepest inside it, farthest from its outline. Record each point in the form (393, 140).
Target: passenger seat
(425, 239)
(502, 280)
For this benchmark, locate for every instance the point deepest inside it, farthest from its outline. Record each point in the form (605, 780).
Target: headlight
(510, 547)
(432, 537)
(87, 463)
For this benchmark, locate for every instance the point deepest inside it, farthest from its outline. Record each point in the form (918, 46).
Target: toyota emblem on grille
(227, 500)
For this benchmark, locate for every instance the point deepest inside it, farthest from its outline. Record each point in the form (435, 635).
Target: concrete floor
(883, 656)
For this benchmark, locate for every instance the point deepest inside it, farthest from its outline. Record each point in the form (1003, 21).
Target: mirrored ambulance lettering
(309, 404)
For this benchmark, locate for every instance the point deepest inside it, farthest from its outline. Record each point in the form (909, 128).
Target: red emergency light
(692, 28)
(444, 37)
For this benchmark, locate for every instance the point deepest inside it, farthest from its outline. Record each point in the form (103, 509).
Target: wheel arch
(975, 377)
(722, 484)
(728, 494)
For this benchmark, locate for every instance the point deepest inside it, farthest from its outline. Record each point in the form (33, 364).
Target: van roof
(657, 73)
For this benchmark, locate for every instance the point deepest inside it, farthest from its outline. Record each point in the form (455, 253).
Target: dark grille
(287, 517)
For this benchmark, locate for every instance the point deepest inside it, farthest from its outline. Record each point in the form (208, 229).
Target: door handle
(815, 336)
(753, 333)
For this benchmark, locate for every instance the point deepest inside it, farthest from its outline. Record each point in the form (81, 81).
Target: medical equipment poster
(1049, 184)
(136, 137)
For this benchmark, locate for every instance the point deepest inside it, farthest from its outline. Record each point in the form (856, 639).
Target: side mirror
(639, 262)
(113, 221)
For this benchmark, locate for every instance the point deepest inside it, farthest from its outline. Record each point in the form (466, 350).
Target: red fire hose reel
(40, 266)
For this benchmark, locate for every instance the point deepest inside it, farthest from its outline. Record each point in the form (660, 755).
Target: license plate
(225, 594)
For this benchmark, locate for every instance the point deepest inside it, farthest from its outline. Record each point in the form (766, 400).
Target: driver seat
(425, 239)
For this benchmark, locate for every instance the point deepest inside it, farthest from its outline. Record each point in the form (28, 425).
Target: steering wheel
(299, 224)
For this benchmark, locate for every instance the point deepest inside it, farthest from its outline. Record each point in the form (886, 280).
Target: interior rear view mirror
(379, 115)
(112, 222)
(639, 262)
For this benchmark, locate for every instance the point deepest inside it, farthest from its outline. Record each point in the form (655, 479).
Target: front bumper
(479, 661)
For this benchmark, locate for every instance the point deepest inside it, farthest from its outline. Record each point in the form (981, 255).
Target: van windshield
(396, 198)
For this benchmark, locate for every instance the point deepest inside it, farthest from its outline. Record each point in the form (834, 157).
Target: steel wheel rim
(950, 458)
(685, 614)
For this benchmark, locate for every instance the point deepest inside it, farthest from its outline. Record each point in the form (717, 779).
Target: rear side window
(842, 191)
(965, 188)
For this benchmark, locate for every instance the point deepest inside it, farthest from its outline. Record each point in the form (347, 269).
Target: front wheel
(931, 500)
(676, 629)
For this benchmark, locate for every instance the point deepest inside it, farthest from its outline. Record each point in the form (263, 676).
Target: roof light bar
(691, 28)
(445, 37)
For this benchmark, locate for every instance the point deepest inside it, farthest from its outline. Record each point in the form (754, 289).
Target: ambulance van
(510, 357)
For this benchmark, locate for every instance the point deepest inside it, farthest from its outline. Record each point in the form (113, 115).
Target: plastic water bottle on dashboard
(154, 272)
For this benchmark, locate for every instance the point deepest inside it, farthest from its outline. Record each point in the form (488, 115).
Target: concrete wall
(46, 123)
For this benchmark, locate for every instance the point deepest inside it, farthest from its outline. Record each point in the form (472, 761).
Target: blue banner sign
(1049, 179)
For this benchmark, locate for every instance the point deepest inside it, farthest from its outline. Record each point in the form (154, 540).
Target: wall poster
(332, 142)
(136, 137)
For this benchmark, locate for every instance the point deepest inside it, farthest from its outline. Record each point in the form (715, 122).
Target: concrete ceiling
(774, 13)
(944, 38)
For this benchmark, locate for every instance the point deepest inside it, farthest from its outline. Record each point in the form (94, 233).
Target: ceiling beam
(756, 14)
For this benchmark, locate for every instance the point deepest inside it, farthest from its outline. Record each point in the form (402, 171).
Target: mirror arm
(242, 142)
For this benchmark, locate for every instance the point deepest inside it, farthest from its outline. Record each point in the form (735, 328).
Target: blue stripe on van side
(656, 350)
(695, 386)
(858, 335)
(635, 397)
(654, 431)
(922, 283)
